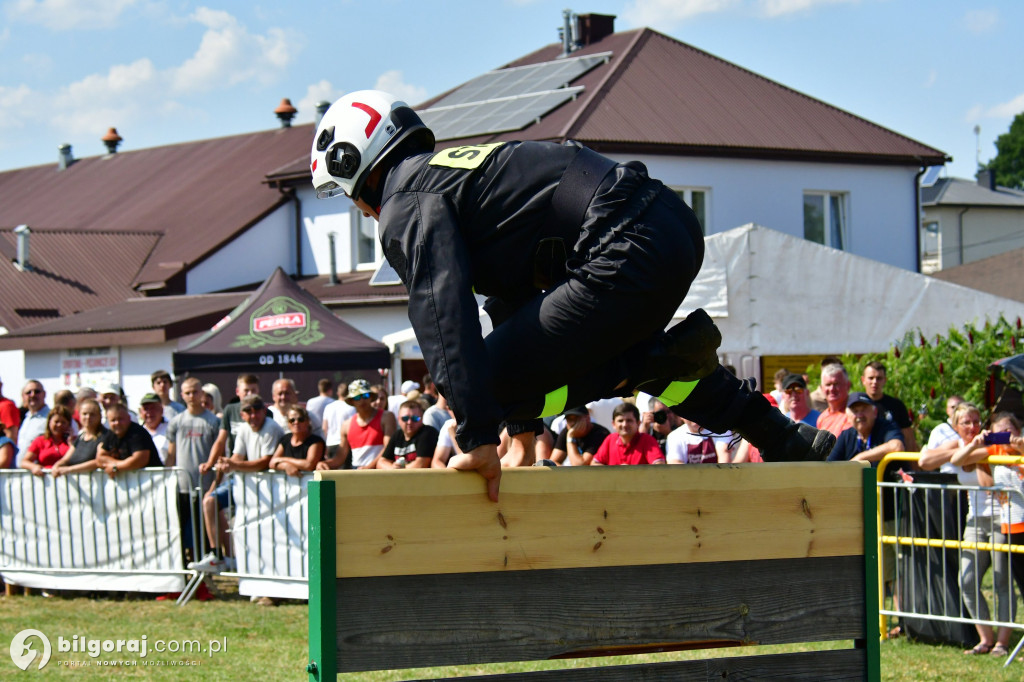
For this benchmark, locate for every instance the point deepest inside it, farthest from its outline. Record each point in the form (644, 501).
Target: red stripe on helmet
(374, 116)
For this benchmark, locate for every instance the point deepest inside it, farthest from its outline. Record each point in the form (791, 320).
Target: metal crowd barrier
(267, 527)
(91, 532)
(939, 608)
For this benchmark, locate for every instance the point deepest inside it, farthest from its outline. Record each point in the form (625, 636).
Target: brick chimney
(986, 178)
(591, 28)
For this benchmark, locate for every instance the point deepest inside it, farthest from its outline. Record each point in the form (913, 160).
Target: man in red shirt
(9, 415)
(627, 445)
(835, 385)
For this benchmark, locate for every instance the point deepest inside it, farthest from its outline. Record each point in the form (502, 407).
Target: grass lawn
(269, 643)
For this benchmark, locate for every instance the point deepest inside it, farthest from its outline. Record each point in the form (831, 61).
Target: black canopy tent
(281, 328)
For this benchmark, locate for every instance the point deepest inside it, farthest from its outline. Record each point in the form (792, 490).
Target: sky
(170, 71)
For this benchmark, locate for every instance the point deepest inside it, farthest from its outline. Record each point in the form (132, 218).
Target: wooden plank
(832, 665)
(439, 521)
(454, 619)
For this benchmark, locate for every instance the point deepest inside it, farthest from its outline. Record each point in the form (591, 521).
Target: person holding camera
(579, 440)
(659, 421)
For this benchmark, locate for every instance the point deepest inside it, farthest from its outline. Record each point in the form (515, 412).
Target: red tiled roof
(71, 271)
(198, 195)
(659, 95)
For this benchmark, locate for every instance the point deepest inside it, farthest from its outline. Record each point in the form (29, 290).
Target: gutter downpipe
(917, 215)
(294, 197)
(960, 230)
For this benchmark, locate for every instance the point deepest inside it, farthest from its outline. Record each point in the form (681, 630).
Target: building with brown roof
(219, 215)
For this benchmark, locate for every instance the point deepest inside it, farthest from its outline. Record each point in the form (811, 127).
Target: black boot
(686, 352)
(779, 438)
(720, 402)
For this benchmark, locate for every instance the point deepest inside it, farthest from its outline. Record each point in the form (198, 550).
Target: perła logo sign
(22, 652)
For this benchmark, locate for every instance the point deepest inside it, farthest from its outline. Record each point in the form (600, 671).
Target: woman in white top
(982, 525)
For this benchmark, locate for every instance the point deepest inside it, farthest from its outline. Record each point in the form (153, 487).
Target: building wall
(880, 211)
(987, 231)
(249, 258)
(136, 364)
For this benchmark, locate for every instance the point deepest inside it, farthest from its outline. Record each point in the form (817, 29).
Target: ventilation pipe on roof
(331, 237)
(565, 33)
(321, 108)
(286, 112)
(111, 140)
(22, 232)
(64, 156)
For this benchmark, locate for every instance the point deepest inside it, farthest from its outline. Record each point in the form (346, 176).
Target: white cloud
(125, 93)
(665, 13)
(777, 8)
(63, 15)
(981, 20)
(322, 91)
(393, 82)
(933, 76)
(1007, 109)
(228, 54)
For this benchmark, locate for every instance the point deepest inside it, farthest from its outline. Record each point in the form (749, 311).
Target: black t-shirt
(590, 443)
(85, 450)
(422, 444)
(135, 438)
(893, 409)
(300, 451)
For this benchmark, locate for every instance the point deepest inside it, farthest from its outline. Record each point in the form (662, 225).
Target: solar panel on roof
(493, 116)
(523, 80)
(384, 275)
(931, 175)
(508, 99)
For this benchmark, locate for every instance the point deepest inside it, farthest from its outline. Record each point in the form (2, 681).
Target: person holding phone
(985, 515)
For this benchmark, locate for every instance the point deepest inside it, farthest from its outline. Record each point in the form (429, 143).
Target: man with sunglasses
(365, 434)
(795, 388)
(33, 422)
(412, 447)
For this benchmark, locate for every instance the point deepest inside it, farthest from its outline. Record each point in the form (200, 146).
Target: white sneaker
(210, 563)
(230, 564)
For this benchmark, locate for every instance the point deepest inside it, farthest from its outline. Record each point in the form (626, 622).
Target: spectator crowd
(358, 425)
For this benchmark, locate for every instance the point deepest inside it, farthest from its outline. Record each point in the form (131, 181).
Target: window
(364, 240)
(697, 199)
(931, 248)
(825, 218)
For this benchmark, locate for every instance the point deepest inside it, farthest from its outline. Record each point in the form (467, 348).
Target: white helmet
(356, 133)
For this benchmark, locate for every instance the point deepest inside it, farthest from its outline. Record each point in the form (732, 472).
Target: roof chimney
(22, 232)
(986, 178)
(591, 28)
(321, 108)
(112, 140)
(64, 156)
(286, 112)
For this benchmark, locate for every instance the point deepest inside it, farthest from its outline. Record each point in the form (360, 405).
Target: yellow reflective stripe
(467, 157)
(554, 402)
(676, 392)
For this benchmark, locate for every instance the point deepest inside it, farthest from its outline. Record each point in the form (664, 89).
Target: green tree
(1008, 163)
(924, 372)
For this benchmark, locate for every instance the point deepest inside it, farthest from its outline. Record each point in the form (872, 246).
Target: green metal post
(872, 648)
(323, 621)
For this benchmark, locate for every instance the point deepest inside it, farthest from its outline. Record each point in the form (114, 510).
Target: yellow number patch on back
(469, 156)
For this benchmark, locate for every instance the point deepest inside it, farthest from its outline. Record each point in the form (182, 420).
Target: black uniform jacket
(469, 220)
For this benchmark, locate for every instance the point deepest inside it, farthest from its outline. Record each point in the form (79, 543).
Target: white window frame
(686, 194)
(844, 226)
(358, 222)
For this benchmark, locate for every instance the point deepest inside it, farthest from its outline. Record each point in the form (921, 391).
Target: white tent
(775, 294)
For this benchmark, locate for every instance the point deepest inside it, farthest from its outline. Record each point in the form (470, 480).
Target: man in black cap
(799, 399)
(870, 438)
(579, 440)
